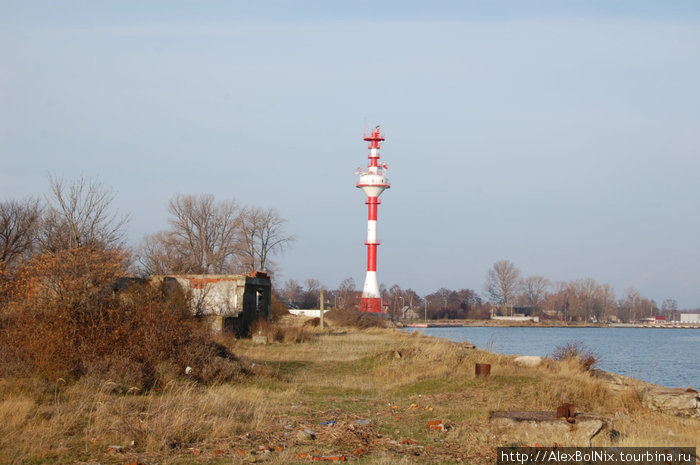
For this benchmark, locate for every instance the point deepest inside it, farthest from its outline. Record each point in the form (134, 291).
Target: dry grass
(397, 380)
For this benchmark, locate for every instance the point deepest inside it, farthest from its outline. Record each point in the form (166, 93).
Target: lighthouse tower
(372, 181)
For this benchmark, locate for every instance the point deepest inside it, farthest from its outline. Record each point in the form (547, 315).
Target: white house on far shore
(313, 313)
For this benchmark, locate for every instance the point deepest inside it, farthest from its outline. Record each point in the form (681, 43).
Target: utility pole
(321, 309)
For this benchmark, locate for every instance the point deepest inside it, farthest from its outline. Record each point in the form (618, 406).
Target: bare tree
(79, 215)
(534, 291)
(587, 303)
(292, 292)
(161, 253)
(203, 237)
(311, 294)
(670, 308)
(606, 296)
(502, 283)
(18, 227)
(263, 236)
(346, 293)
(630, 306)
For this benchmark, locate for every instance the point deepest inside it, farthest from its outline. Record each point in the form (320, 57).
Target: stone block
(528, 360)
(529, 428)
(674, 401)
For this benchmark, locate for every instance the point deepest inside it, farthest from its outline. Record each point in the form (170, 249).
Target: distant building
(519, 317)
(310, 312)
(690, 318)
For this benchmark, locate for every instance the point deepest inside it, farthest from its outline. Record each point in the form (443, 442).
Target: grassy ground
(380, 387)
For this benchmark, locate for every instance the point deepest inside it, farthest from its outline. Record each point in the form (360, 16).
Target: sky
(562, 136)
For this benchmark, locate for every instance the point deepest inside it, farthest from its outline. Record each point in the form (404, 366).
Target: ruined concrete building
(230, 302)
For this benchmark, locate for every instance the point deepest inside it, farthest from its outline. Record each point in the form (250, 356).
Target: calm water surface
(669, 357)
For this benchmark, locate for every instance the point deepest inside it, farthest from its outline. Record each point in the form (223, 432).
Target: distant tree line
(577, 300)
(506, 292)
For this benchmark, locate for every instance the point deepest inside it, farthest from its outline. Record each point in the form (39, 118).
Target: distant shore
(542, 324)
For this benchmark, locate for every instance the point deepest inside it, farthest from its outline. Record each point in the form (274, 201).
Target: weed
(577, 352)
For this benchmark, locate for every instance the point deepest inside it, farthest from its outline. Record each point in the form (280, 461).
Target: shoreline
(656, 381)
(531, 324)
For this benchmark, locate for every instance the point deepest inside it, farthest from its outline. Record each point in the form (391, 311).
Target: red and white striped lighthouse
(372, 181)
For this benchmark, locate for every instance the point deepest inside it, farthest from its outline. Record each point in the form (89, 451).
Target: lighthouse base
(371, 304)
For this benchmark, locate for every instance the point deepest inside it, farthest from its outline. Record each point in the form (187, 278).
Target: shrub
(316, 323)
(576, 352)
(356, 319)
(66, 318)
(296, 334)
(277, 308)
(271, 330)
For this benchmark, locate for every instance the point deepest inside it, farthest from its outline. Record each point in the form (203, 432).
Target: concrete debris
(544, 427)
(528, 360)
(678, 401)
(322, 458)
(306, 435)
(436, 425)
(616, 382)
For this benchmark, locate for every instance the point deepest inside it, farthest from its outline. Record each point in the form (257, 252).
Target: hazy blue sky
(563, 136)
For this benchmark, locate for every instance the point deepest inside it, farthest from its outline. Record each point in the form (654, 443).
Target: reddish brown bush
(296, 334)
(67, 318)
(356, 319)
(277, 308)
(272, 331)
(576, 351)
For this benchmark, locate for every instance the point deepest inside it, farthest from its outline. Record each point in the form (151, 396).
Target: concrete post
(321, 308)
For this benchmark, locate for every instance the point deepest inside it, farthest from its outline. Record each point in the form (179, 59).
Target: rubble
(677, 401)
(528, 360)
(545, 427)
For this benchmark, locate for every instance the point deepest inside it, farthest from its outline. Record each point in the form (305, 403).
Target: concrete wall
(232, 302)
(220, 295)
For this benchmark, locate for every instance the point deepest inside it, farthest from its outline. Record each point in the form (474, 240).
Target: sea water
(668, 357)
